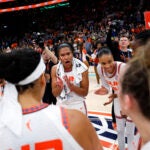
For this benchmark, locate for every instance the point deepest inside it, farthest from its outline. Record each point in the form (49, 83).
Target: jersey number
(54, 144)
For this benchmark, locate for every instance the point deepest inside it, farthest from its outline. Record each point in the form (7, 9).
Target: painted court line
(102, 123)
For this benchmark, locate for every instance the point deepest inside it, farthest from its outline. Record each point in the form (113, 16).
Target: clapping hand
(70, 85)
(59, 83)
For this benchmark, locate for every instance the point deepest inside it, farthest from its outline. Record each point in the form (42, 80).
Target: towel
(78, 68)
(10, 110)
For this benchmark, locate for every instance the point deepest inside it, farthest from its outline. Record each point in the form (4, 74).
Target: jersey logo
(71, 78)
(28, 125)
(113, 84)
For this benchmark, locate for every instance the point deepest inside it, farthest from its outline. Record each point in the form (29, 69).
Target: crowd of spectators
(86, 19)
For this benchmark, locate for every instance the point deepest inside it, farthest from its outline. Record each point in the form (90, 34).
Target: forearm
(79, 90)
(53, 58)
(104, 83)
(56, 91)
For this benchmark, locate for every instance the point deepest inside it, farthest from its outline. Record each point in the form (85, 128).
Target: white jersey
(44, 127)
(110, 80)
(72, 96)
(146, 146)
(73, 100)
(1, 90)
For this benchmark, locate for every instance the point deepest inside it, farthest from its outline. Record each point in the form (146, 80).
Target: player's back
(43, 127)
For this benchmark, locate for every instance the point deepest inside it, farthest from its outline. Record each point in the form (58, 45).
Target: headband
(35, 74)
(10, 109)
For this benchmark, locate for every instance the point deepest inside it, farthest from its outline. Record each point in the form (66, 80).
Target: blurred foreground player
(26, 122)
(134, 92)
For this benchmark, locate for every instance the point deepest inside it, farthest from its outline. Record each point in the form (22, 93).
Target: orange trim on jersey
(34, 108)
(99, 113)
(120, 117)
(119, 67)
(139, 144)
(25, 147)
(109, 145)
(52, 144)
(129, 120)
(64, 117)
(55, 144)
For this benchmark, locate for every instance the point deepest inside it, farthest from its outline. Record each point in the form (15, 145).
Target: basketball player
(134, 92)
(140, 39)
(26, 123)
(109, 71)
(70, 82)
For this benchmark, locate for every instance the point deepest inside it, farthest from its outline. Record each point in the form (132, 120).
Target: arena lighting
(55, 6)
(32, 6)
(3, 1)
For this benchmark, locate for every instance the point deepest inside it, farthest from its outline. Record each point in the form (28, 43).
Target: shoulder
(120, 66)
(85, 72)
(78, 123)
(99, 69)
(76, 117)
(99, 66)
(81, 65)
(54, 67)
(83, 131)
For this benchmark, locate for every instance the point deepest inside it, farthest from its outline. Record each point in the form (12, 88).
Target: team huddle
(28, 122)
